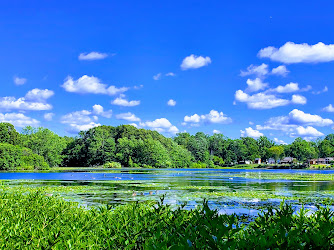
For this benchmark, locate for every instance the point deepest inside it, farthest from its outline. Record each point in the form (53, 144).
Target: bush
(218, 161)
(17, 158)
(112, 164)
(42, 222)
(199, 165)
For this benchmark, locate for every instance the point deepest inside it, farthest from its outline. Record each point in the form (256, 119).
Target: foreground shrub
(37, 220)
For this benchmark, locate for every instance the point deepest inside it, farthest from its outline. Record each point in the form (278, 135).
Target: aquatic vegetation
(37, 221)
(303, 176)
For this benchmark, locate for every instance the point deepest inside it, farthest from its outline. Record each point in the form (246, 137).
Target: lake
(228, 190)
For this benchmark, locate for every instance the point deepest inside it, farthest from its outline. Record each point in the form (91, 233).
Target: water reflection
(220, 187)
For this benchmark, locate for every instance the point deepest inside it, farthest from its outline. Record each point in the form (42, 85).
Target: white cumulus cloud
(329, 108)
(255, 85)
(90, 85)
(308, 132)
(299, 53)
(294, 124)
(212, 117)
(288, 88)
(34, 100)
(18, 120)
(259, 71)
(92, 56)
(280, 70)
(249, 132)
(128, 117)
(300, 117)
(161, 125)
(40, 95)
(299, 99)
(260, 100)
(120, 101)
(171, 102)
(194, 62)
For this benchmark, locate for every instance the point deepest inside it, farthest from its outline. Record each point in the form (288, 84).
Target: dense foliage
(132, 147)
(13, 157)
(37, 221)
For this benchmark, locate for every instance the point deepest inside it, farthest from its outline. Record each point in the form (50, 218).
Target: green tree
(8, 134)
(264, 144)
(301, 150)
(276, 152)
(14, 157)
(45, 143)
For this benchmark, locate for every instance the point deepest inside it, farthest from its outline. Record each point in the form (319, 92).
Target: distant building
(321, 161)
(271, 161)
(287, 160)
(257, 161)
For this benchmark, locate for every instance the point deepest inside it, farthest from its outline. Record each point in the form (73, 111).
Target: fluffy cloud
(120, 101)
(99, 110)
(157, 76)
(34, 100)
(259, 71)
(193, 119)
(213, 117)
(216, 131)
(299, 117)
(299, 53)
(280, 70)
(128, 117)
(194, 62)
(40, 95)
(92, 56)
(298, 99)
(18, 120)
(10, 103)
(90, 85)
(294, 123)
(308, 132)
(161, 125)
(260, 100)
(171, 102)
(79, 121)
(170, 74)
(249, 132)
(48, 116)
(255, 85)
(19, 80)
(83, 120)
(288, 88)
(329, 108)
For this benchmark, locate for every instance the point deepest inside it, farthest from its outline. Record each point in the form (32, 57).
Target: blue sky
(245, 68)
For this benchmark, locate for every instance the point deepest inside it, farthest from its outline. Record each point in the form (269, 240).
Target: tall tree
(8, 134)
(45, 143)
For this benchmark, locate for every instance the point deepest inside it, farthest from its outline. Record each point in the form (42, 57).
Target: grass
(33, 220)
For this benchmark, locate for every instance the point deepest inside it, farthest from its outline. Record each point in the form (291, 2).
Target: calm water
(227, 190)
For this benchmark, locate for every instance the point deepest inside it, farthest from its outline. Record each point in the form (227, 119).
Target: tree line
(128, 146)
